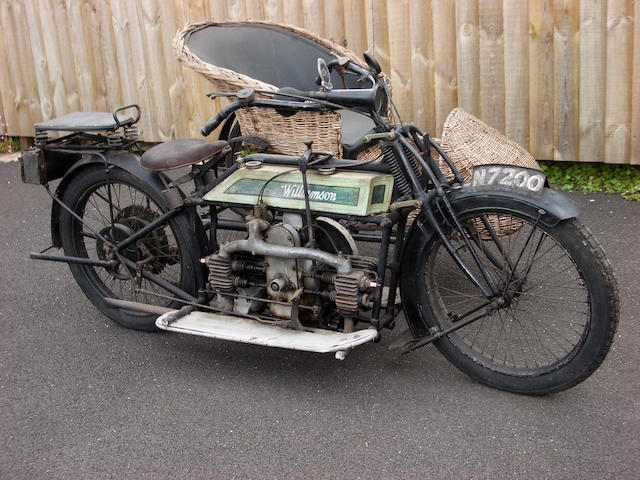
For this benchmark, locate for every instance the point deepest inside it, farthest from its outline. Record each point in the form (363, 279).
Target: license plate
(523, 180)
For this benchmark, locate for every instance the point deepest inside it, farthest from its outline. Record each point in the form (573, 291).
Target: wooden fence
(561, 77)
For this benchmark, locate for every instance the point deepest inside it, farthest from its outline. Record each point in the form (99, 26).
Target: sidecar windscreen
(266, 53)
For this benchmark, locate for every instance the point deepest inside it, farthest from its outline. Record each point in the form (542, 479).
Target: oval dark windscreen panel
(264, 52)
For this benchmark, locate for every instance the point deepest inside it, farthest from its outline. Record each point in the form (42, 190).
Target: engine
(273, 274)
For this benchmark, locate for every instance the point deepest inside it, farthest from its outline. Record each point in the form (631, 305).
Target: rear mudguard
(124, 160)
(553, 206)
(128, 162)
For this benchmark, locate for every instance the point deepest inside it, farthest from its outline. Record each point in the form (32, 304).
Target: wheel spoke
(133, 209)
(539, 326)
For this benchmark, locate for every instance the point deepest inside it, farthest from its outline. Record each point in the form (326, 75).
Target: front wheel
(165, 252)
(555, 310)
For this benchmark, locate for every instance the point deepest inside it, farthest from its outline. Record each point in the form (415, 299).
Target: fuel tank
(346, 192)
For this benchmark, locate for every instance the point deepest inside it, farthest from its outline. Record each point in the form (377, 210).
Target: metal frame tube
(78, 260)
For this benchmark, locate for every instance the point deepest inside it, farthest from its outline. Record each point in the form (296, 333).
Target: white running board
(246, 330)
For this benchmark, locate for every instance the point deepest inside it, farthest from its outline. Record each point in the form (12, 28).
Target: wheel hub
(152, 249)
(513, 291)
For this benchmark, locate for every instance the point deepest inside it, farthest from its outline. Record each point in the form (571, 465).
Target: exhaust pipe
(257, 246)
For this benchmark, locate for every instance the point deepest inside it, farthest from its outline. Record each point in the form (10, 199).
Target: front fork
(438, 193)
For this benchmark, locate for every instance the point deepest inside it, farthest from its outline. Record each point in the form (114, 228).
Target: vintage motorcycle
(497, 272)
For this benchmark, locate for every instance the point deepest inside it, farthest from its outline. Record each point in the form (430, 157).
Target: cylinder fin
(220, 275)
(347, 288)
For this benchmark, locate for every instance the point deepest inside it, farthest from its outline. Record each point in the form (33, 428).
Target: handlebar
(219, 117)
(367, 97)
(227, 110)
(123, 108)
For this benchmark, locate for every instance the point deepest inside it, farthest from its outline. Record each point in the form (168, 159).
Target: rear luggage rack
(50, 158)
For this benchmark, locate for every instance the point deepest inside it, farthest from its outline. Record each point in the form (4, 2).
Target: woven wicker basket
(468, 141)
(288, 134)
(285, 134)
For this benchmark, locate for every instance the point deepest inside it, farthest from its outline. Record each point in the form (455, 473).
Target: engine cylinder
(220, 275)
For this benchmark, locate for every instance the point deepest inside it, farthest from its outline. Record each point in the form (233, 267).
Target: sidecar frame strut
(78, 260)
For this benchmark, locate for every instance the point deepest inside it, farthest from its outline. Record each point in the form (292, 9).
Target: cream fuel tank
(349, 193)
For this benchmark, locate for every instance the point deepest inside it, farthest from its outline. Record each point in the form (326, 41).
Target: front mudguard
(551, 205)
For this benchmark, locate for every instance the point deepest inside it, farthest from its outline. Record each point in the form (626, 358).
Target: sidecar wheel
(552, 321)
(164, 252)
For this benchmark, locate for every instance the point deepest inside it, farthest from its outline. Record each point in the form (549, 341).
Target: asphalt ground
(83, 398)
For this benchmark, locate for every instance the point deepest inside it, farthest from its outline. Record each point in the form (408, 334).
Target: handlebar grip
(219, 117)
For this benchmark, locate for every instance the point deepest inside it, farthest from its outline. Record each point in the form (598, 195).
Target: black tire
(167, 248)
(558, 323)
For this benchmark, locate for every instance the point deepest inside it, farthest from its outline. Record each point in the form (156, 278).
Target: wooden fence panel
(26, 103)
(541, 79)
(292, 12)
(236, 10)
(334, 21)
(8, 97)
(51, 58)
(96, 53)
(468, 51)
(198, 107)
(355, 25)
(40, 63)
(254, 9)
(566, 68)
(400, 62)
(618, 100)
(175, 83)
(492, 63)
(444, 55)
(421, 25)
(112, 80)
(273, 11)
(635, 97)
(516, 71)
(378, 32)
(313, 17)
(593, 24)
(561, 77)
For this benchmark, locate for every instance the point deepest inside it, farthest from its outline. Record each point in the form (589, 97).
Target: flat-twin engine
(274, 272)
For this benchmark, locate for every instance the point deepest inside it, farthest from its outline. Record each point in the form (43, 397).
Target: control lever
(245, 95)
(214, 95)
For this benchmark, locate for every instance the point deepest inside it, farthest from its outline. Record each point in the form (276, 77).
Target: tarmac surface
(81, 397)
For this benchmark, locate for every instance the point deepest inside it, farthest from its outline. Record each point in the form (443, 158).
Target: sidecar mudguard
(555, 206)
(124, 160)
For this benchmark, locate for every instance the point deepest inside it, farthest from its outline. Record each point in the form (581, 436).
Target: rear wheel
(555, 312)
(165, 252)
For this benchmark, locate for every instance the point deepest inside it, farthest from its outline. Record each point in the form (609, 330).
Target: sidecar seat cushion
(180, 153)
